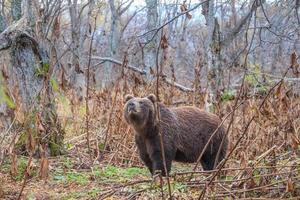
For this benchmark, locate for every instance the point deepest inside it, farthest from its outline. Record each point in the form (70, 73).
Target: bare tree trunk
(214, 46)
(152, 21)
(115, 37)
(115, 28)
(213, 55)
(27, 82)
(77, 78)
(233, 10)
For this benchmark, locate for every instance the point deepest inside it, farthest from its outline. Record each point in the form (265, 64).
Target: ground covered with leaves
(263, 155)
(68, 178)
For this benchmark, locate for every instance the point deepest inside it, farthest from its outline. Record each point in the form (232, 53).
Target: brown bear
(185, 131)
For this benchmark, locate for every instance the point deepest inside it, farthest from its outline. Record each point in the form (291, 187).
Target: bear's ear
(152, 98)
(127, 97)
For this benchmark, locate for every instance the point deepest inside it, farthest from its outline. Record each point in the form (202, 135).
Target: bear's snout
(131, 107)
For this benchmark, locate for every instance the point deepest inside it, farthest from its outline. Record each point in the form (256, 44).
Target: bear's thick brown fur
(185, 131)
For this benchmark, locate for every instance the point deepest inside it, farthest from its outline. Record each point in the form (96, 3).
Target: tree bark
(16, 9)
(152, 22)
(213, 55)
(26, 72)
(115, 38)
(2, 23)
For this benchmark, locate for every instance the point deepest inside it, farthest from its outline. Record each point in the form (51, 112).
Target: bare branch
(108, 59)
(155, 30)
(140, 71)
(122, 10)
(177, 85)
(232, 34)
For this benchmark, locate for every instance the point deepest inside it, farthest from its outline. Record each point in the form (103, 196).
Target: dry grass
(265, 164)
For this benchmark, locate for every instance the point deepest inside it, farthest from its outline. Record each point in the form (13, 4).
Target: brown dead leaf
(4, 73)
(152, 71)
(56, 29)
(164, 42)
(251, 184)
(29, 168)
(295, 142)
(1, 191)
(295, 64)
(30, 141)
(39, 124)
(183, 8)
(279, 91)
(243, 160)
(44, 168)
(13, 166)
(290, 186)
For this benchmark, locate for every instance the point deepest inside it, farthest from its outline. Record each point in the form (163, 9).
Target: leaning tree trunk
(28, 96)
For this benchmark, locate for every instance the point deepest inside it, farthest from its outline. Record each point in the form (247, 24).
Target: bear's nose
(131, 106)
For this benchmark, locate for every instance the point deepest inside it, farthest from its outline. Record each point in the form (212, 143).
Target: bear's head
(139, 112)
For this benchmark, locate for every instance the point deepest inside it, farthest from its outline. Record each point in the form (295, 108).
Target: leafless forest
(66, 66)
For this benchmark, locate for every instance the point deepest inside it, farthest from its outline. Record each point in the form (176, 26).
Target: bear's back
(192, 128)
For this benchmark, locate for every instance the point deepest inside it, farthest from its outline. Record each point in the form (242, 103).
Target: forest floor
(69, 178)
(264, 164)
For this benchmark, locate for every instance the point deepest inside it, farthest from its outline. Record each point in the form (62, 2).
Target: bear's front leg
(147, 161)
(158, 165)
(143, 153)
(155, 153)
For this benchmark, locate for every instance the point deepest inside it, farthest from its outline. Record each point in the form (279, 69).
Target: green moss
(91, 194)
(42, 70)
(21, 168)
(116, 174)
(227, 95)
(67, 163)
(71, 177)
(21, 141)
(177, 187)
(4, 97)
(22, 165)
(101, 146)
(256, 177)
(130, 172)
(54, 84)
(94, 192)
(55, 149)
(30, 196)
(73, 195)
(226, 178)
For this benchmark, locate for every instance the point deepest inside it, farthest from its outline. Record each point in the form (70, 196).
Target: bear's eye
(142, 103)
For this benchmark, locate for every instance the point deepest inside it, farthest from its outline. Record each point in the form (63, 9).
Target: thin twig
(243, 134)
(158, 124)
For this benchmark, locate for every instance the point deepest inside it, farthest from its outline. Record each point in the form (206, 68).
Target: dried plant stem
(88, 90)
(158, 119)
(231, 169)
(107, 131)
(116, 188)
(26, 175)
(259, 188)
(243, 134)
